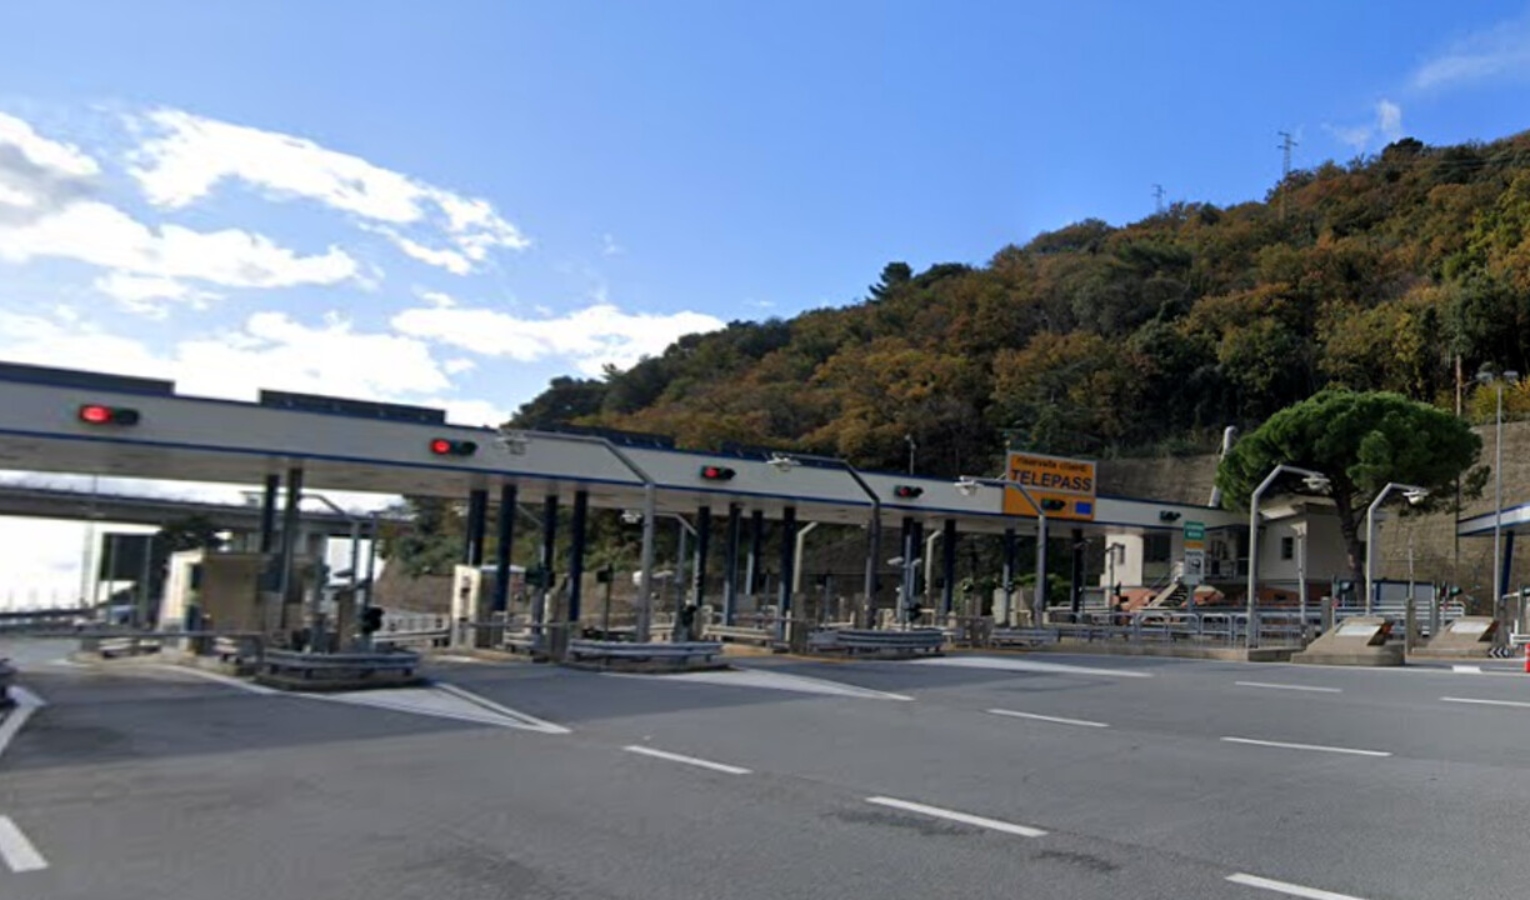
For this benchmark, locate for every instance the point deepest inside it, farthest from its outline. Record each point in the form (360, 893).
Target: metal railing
(328, 667)
(629, 651)
(863, 640)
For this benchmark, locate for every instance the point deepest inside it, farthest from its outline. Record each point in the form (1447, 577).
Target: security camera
(1416, 496)
(1316, 483)
(631, 516)
(781, 462)
(966, 486)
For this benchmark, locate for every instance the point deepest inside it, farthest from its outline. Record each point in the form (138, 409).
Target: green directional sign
(1195, 531)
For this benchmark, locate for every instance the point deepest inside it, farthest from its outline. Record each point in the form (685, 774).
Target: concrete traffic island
(1469, 637)
(1360, 641)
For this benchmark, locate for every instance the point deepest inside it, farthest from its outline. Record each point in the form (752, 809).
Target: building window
(1156, 548)
(1288, 548)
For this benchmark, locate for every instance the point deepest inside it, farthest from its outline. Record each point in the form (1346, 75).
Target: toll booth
(473, 589)
(217, 589)
(225, 591)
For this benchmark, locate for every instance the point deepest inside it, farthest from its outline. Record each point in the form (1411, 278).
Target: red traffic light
(446, 447)
(100, 414)
(907, 491)
(716, 473)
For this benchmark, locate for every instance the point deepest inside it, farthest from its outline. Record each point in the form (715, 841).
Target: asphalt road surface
(1038, 775)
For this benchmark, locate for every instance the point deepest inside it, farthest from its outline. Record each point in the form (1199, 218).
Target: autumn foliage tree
(1389, 273)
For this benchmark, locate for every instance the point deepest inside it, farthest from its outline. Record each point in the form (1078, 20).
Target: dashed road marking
(1319, 747)
(687, 760)
(1516, 703)
(1284, 887)
(952, 815)
(1290, 687)
(1040, 718)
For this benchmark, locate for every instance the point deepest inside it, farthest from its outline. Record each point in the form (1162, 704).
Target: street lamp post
(969, 485)
(1487, 377)
(1316, 481)
(1414, 495)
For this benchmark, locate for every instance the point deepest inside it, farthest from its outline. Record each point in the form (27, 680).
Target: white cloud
(450, 260)
(592, 337)
(472, 413)
(46, 211)
(1389, 120)
(270, 350)
(38, 176)
(146, 293)
(1386, 125)
(190, 155)
(53, 156)
(102, 235)
(609, 246)
(437, 299)
(1496, 53)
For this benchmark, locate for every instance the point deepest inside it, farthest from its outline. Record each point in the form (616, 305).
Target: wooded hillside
(1102, 341)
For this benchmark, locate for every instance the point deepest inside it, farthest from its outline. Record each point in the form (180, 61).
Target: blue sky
(452, 202)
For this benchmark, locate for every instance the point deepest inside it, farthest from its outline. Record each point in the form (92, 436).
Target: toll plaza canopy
(59, 420)
(1516, 520)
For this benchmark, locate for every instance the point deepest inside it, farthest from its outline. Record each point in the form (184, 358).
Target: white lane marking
(237, 683)
(27, 703)
(688, 760)
(16, 850)
(1485, 702)
(1023, 665)
(1289, 746)
(442, 702)
(964, 818)
(1040, 718)
(778, 681)
(526, 720)
(1284, 887)
(65, 661)
(1290, 687)
(1467, 670)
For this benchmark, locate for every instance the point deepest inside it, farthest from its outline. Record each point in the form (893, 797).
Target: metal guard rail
(628, 650)
(360, 664)
(918, 640)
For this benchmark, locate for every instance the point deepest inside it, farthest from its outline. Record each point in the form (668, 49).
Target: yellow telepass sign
(1064, 487)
